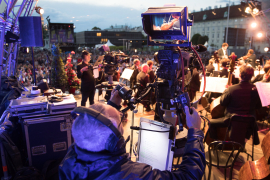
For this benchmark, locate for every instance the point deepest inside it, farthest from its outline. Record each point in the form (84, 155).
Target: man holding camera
(88, 81)
(88, 157)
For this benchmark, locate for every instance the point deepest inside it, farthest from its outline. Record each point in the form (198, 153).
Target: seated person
(240, 99)
(143, 80)
(261, 77)
(174, 24)
(90, 158)
(210, 68)
(151, 72)
(224, 72)
(136, 68)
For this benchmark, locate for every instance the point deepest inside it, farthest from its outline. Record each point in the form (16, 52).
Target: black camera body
(124, 92)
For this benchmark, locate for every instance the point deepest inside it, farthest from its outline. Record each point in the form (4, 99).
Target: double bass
(217, 110)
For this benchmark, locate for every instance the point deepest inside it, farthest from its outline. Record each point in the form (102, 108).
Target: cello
(217, 110)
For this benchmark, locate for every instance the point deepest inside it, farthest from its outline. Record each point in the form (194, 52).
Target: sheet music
(127, 73)
(264, 92)
(96, 72)
(214, 84)
(154, 147)
(256, 72)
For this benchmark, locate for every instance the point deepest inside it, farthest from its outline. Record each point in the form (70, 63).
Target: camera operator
(88, 159)
(136, 68)
(88, 81)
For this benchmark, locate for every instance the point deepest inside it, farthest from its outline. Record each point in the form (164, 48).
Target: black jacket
(143, 79)
(241, 99)
(82, 164)
(221, 54)
(252, 60)
(87, 77)
(258, 78)
(210, 68)
(151, 76)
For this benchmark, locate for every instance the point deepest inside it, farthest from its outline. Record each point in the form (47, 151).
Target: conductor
(88, 81)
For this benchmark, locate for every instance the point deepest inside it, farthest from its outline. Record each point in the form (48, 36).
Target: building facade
(117, 38)
(213, 23)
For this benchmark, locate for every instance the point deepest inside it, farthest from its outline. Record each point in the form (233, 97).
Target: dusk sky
(104, 13)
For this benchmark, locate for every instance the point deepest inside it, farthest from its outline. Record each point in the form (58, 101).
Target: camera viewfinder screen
(166, 22)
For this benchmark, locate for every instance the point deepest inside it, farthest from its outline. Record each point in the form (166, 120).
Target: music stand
(155, 148)
(127, 73)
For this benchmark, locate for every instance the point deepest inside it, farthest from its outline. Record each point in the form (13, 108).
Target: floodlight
(266, 49)
(39, 10)
(255, 11)
(254, 24)
(259, 35)
(248, 10)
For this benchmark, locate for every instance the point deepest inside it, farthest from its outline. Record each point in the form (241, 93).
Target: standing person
(223, 52)
(88, 81)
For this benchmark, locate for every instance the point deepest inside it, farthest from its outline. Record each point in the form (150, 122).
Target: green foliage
(198, 39)
(202, 40)
(195, 38)
(115, 48)
(45, 32)
(95, 28)
(58, 74)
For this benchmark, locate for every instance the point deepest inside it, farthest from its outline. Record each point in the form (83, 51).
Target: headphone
(116, 141)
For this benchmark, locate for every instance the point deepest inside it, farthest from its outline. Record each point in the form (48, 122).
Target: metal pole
(9, 64)
(228, 17)
(2, 47)
(131, 139)
(34, 69)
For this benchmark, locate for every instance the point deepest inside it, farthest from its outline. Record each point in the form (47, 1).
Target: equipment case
(66, 106)
(28, 106)
(47, 138)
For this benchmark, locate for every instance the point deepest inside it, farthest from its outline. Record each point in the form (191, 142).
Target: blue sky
(86, 14)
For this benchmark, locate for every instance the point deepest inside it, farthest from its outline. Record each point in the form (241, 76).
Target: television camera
(171, 27)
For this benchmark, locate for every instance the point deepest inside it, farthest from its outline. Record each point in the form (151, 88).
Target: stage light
(266, 49)
(259, 35)
(39, 10)
(254, 24)
(248, 10)
(255, 11)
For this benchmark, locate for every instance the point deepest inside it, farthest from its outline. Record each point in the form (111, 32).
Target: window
(259, 48)
(218, 28)
(218, 35)
(217, 41)
(204, 17)
(213, 35)
(98, 34)
(207, 28)
(213, 28)
(225, 14)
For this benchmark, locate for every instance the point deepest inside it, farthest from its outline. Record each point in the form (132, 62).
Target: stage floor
(217, 174)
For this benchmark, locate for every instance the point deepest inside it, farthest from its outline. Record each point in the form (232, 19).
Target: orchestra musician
(136, 68)
(240, 99)
(223, 52)
(210, 68)
(143, 80)
(151, 72)
(250, 58)
(261, 77)
(174, 24)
